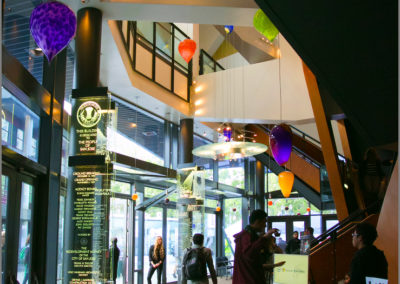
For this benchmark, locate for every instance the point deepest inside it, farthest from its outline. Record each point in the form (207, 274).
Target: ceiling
(352, 48)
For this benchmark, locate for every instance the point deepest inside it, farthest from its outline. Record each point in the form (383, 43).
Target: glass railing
(153, 52)
(208, 64)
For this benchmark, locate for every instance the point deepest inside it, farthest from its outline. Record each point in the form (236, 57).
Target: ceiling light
(133, 125)
(229, 150)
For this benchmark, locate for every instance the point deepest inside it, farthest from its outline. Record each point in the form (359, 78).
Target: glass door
(119, 233)
(17, 212)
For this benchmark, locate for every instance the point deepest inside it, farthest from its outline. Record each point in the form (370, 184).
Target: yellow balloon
(286, 180)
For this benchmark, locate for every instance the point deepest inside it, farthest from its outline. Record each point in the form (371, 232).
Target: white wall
(251, 94)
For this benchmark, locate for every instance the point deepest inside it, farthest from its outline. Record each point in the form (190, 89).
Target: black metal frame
(156, 53)
(203, 54)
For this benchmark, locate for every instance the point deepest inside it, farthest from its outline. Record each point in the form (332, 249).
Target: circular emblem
(88, 114)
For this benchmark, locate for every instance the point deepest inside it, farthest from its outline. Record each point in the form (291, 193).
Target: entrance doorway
(18, 189)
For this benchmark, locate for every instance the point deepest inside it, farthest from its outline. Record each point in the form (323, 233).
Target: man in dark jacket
(250, 251)
(368, 261)
(114, 254)
(293, 246)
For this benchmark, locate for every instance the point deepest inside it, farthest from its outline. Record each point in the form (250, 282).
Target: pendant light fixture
(286, 180)
(187, 48)
(52, 25)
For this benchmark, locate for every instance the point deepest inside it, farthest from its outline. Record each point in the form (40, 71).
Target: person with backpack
(195, 262)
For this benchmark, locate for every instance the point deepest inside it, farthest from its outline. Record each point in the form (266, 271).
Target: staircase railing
(153, 52)
(332, 233)
(208, 64)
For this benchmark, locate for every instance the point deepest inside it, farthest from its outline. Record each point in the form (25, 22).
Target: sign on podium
(295, 269)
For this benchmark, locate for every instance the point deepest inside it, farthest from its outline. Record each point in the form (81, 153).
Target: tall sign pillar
(86, 254)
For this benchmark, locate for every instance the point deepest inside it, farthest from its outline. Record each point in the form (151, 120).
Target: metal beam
(156, 199)
(327, 144)
(298, 184)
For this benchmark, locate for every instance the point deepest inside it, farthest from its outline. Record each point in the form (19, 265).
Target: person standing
(251, 249)
(114, 252)
(293, 246)
(157, 257)
(204, 258)
(368, 261)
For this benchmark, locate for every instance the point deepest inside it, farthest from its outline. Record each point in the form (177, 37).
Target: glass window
(60, 249)
(121, 187)
(164, 38)
(25, 230)
(64, 157)
(145, 29)
(282, 228)
(171, 245)
(178, 58)
(118, 229)
(316, 224)
(288, 206)
(4, 198)
(139, 135)
(231, 172)
(17, 37)
(22, 133)
(210, 239)
(232, 223)
(151, 192)
(206, 163)
(331, 223)
(208, 64)
(273, 183)
(298, 226)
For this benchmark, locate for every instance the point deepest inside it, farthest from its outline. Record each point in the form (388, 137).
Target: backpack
(194, 264)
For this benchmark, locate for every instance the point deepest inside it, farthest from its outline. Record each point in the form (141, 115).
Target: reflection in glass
(20, 126)
(25, 230)
(4, 197)
(118, 229)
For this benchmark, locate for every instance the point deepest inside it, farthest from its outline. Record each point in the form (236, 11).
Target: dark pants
(151, 272)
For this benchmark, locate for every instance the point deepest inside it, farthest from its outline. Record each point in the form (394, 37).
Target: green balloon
(264, 25)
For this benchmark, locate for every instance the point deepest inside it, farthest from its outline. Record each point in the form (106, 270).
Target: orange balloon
(270, 203)
(218, 209)
(187, 49)
(134, 196)
(286, 180)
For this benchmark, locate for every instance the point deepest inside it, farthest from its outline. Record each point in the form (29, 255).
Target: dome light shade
(187, 49)
(286, 180)
(52, 26)
(229, 150)
(280, 141)
(264, 25)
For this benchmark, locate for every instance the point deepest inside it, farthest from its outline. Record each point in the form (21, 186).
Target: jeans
(151, 272)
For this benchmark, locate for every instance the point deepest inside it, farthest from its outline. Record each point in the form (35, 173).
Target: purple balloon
(280, 141)
(52, 25)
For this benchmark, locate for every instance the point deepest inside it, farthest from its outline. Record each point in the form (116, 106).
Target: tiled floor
(223, 280)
